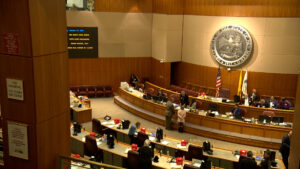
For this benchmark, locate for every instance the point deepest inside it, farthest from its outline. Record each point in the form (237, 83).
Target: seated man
(272, 103)
(266, 163)
(248, 162)
(237, 112)
(160, 94)
(132, 131)
(184, 98)
(285, 104)
(262, 103)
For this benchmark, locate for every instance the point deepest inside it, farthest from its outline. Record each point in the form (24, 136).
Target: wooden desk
(82, 115)
(227, 107)
(259, 135)
(221, 157)
(119, 152)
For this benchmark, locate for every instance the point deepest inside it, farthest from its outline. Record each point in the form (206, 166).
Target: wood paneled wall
(168, 6)
(160, 73)
(265, 83)
(144, 6)
(254, 8)
(107, 71)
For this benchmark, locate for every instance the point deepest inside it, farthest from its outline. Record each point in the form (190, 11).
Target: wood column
(294, 160)
(39, 58)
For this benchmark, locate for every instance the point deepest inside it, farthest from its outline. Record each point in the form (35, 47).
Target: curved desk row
(259, 135)
(227, 107)
(118, 155)
(220, 157)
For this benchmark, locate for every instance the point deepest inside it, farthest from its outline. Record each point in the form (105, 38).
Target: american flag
(218, 83)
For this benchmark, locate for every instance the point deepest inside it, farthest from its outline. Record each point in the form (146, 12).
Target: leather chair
(188, 166)
(74, 89)
(99, 91)
(91, 91)
(141, 137)
(98, 128)
(213, 106)
(108, 91)
(132, 159)
(224, 93)
(269, 113)
(195, 152)
(198, 104)
(175, 97)
(82, 91)
(244, 112)
(91, 148)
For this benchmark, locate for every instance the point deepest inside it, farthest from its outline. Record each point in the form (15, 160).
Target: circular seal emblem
(231, 46)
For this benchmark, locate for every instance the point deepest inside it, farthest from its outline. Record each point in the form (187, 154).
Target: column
(34, 66)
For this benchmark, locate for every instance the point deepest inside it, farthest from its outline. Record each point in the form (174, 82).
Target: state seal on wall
(231, 45)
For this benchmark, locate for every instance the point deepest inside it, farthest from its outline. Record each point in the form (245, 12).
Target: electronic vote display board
(82, 42)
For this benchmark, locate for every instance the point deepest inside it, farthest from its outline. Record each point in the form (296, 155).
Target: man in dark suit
(145, 156)
(253, 98)
(184, 98)
(237, 112)
(248, 162)
(285, 149)
(272, 103)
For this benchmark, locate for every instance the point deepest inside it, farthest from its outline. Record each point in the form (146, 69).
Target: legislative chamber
(148, 84)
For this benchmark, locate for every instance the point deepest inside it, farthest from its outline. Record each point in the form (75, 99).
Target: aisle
(103, 106)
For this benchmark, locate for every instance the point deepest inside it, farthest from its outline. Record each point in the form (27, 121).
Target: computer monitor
(277, 119)
(159, 134)
(263, 118)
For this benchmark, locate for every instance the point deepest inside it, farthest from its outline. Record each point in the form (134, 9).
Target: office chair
(195, 152)
(269, 113)
(188, 166)
(91, 148)
(132, 159)
(108, 91)
(99, 91)
(141, 137)
(98, 128)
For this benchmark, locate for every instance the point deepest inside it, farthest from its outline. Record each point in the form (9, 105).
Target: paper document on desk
(179, 146)
(83, 139)
(151, 138)
(174, 166)
(111, 126)
(165, 143)
(99, 143)
(126, 151)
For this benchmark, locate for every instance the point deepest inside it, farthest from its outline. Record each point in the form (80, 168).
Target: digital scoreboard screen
(83, 42)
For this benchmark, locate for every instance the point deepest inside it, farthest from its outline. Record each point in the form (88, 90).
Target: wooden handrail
(89, 162)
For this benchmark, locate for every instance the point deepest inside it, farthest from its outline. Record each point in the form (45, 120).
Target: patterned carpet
(106, 106)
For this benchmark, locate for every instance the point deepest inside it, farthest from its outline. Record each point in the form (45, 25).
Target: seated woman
(193, 105)
(237, 112)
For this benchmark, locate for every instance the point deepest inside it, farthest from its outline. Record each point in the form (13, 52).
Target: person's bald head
(182, 92)
(253, 90)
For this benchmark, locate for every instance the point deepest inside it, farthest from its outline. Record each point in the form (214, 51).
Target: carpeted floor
(106, 106)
